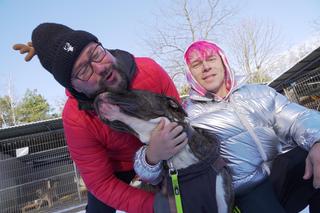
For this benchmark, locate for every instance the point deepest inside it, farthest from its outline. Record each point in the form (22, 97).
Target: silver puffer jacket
(278, 124)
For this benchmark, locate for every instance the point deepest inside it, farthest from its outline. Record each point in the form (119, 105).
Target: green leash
(236, 210)
(173, 173)
(176, 189)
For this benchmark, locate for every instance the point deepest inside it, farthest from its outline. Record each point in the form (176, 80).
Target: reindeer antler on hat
(26, 48)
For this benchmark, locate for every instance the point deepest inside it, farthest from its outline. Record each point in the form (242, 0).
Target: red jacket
(99, 151)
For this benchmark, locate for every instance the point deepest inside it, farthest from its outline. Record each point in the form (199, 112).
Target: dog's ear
(174, 104)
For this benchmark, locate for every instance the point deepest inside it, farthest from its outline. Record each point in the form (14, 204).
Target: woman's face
(208, 70)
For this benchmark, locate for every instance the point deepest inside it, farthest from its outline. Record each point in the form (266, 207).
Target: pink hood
(229, 75)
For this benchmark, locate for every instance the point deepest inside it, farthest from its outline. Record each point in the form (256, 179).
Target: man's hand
(313, 165)
(165, 141)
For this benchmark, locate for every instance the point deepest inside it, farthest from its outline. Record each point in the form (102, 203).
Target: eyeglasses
(85, 72)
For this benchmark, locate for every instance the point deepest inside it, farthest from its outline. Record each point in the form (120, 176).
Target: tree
(8, 106)
(296, 53)
(59, 105)
(33, 107)
(316, 25)
(182, 23)
(6, 112)
(184, 90)
(253, 46)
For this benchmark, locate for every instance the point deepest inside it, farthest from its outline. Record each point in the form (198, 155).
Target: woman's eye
(212, 59)
(196, 65)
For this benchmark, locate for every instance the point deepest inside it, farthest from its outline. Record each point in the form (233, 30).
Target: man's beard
(120, 87)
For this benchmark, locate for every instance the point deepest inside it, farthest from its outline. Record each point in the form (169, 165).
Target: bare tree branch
(253, 45)
(316, 25)
(182, 23)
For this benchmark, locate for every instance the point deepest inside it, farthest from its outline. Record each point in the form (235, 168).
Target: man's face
(95, 71)
(208, 70)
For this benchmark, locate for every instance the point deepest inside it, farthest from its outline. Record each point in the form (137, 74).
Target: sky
(118, 24)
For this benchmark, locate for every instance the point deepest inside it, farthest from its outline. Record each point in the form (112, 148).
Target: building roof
(307, 64)
(31, 128)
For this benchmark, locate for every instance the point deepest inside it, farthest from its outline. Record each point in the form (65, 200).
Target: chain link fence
(306, 90)
(36, 172)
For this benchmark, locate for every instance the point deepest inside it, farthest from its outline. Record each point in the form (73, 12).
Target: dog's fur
(139, 112)
(46, 196)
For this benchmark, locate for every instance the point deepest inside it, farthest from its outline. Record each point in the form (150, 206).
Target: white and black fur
(139, 112)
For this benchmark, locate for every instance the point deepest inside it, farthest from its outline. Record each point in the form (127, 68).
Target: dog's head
(139, 104)
(145, 105)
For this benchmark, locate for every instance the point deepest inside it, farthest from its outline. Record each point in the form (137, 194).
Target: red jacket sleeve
(95, 166)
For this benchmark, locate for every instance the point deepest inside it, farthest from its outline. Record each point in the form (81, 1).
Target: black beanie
(58, 47)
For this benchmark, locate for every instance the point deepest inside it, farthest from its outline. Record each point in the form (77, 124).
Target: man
(104, 157)
(254, 124)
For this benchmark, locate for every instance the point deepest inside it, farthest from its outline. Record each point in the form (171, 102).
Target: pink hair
(204, 48)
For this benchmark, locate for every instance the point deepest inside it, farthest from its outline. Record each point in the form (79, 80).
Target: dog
(138, 112)
(47, 194)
